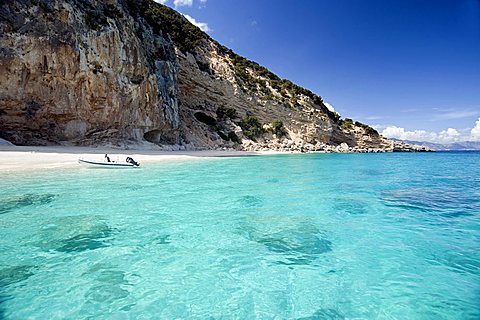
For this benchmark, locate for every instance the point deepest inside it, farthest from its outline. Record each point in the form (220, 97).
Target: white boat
(104, 164)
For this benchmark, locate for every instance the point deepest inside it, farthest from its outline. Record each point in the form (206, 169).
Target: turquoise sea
(307, 236)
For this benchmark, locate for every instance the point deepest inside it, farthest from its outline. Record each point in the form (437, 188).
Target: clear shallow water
(327, 236)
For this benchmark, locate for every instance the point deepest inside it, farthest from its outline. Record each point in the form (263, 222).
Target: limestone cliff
(122, 72)
(85, 72)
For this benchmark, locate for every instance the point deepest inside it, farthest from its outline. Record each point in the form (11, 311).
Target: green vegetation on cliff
(252, 76)
(367, 128)
(348, 124)
(255, 78)
(163, 19)
(278, 129)
(252, 127)
(224, 113)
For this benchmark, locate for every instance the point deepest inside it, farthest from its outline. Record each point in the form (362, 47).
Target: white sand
(24, 158)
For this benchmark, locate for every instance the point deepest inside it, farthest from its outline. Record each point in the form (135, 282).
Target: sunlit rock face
(120, 72)
(83, 72)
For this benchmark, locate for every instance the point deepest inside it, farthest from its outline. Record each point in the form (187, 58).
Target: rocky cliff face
(84, 72)
(121, 72)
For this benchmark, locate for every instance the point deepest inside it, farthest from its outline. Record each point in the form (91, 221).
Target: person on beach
(107, 158)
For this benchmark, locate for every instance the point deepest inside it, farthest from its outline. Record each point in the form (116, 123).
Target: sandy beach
(38, 157)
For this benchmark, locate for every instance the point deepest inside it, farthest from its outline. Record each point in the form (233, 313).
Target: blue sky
(411, 68)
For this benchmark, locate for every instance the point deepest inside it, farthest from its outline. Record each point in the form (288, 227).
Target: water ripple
(447, 203)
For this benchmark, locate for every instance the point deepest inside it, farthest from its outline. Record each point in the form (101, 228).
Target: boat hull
(106, 165)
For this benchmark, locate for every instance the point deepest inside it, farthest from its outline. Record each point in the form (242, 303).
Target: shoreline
(14, 158)
(23, 158)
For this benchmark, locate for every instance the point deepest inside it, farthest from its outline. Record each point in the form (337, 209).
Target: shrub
(203, 66)
(233, 137)
(222, 135)
(223, 113)
(278, 128)
(268, 97)
(250, 80)
(346, 124)
(161, 18)
(252, 127)
(367, 128)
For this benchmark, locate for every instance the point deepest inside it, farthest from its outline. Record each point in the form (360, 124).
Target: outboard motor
(130, 160)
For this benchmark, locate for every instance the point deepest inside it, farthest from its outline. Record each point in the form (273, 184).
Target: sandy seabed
(19, 157)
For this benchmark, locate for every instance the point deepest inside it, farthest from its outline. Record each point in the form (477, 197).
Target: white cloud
(449, 135)
(417, 135)
(394, 132)
(409, 110)
(455, 114)
(202, 25)
(373, 117)
(379, 127)
(182, 3)
(329, 106)
(179, 3)
(445, 136)
(475, 132)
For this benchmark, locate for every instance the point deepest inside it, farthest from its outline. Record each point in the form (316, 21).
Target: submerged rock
(3, 298)
(76, 234)
(11, 275)
(163, 239)
(249, 201)
(105, 293)
(94, 239)
(299, 244)
(17, 202)
(324, 314)
(296, 247)
(296, 243)
(108, 289)
(350, 206)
